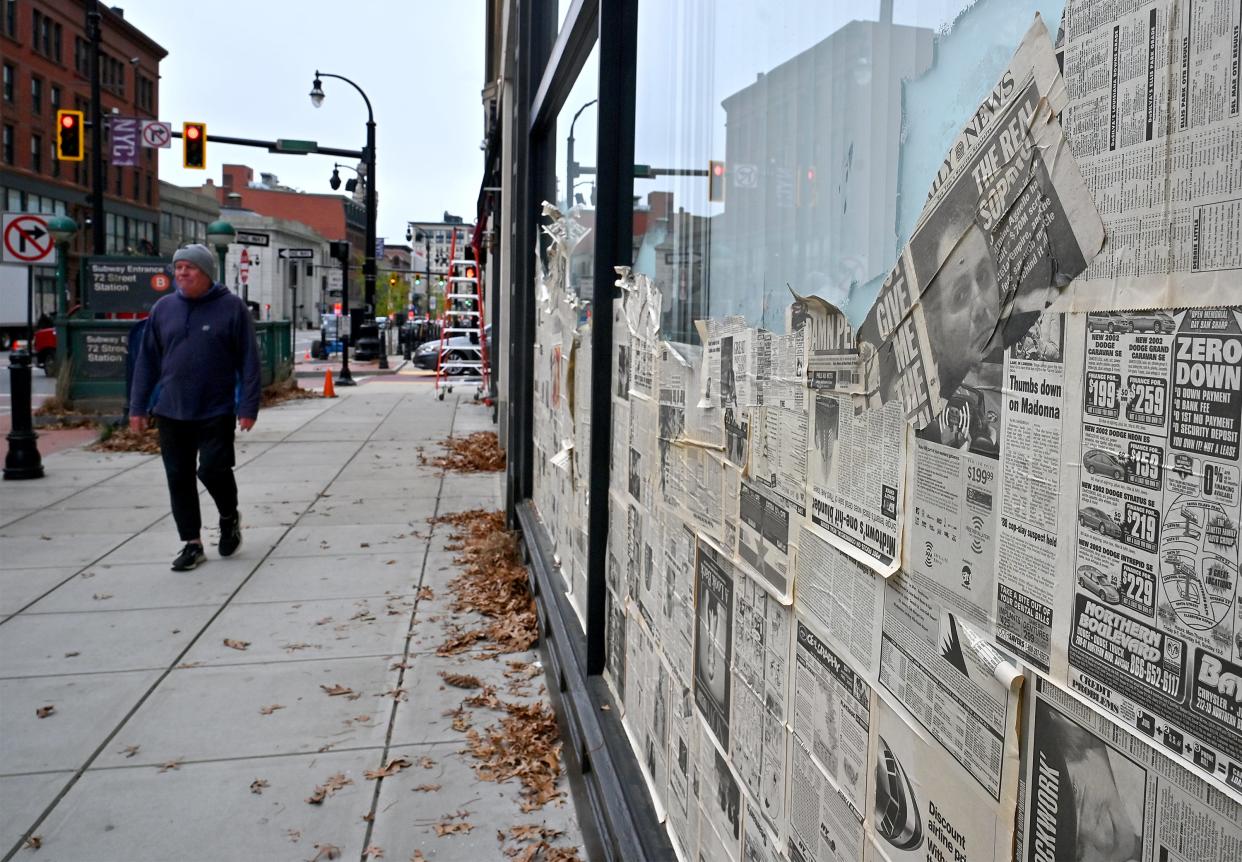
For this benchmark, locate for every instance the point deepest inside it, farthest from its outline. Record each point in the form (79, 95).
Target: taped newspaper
(1155, 626)
(713, 640)
(1094, 792)
(1007, 225)
(1153, 84)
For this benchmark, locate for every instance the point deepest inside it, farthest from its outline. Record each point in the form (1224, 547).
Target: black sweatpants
(208, 445)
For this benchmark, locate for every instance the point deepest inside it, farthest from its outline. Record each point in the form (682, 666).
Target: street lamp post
(571, 167)
(220, 234)
(368, 266)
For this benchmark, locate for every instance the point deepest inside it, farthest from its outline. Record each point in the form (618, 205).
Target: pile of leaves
(121, 439)
(62, 415)
(285, 390)
(530, 842)
(525, 745)
(493, 583)
(477, 453)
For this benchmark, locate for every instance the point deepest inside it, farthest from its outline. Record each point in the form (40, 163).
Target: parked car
(1151, 321)
(1105, 463)
(1092, 579)
(1104, 321)
(460, 348)
(1099, 520)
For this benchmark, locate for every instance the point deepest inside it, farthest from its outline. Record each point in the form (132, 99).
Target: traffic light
(392, 281)
(715, 181)
(69, 136)
(194, 145)
(418, 279)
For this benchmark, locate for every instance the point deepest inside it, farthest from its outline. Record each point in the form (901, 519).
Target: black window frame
(544, 64)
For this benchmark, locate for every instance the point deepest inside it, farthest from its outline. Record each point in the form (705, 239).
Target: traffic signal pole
(98, 235)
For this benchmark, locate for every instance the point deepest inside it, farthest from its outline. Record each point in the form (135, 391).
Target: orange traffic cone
(329, 391)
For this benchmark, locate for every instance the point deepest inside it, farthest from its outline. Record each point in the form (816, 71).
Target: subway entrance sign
(126, 284)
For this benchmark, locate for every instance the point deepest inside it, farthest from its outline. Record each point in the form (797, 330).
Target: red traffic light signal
(715, 181)
(194, 145)
(69, 136)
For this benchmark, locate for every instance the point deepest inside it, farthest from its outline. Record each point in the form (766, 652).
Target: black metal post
(345, 378)
(22, 461)
(369, 270)
(93, 32)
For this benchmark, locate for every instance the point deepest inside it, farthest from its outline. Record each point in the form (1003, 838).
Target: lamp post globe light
(368, 266)
(220, 234)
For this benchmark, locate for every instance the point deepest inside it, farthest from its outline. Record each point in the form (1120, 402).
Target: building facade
(45, 60)
(833, 546)
(333, 217)
(184, 217)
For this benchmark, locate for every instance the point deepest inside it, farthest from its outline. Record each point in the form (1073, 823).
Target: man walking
(198, 372)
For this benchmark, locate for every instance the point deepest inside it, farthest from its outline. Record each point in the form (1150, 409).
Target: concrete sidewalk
(160, 729)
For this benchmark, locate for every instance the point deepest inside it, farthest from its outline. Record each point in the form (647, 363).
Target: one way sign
(27, 240)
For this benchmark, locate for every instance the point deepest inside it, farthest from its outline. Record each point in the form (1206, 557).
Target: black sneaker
(230, 535)
(189, 558)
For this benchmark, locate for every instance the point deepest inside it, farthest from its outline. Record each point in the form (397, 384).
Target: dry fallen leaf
(461, 680)
(336, 689)
(326, 851)
(172, 764)
(418, 856)
(295, 835)
(426, 762)
(72, 654)
(99, 597)
(258, 784)
(333, 784)
(426, 788)
(129, 750)
(34, 842)
(374, 851)
(236, 644)
(45, 711)
(394, 766)
(426, 593)
(461, 826)
(268, 710)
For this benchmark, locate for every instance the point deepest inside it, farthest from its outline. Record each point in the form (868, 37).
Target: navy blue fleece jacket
(199, 357)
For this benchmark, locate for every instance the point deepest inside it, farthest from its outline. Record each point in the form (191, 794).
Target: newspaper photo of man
(827, 420)
(623, 372)
(728, 375)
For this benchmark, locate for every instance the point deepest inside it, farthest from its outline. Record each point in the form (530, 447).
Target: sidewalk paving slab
(325, 590)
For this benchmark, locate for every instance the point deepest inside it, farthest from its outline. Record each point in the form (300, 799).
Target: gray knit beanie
(199, 255)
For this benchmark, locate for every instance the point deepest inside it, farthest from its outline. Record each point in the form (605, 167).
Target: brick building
(334, 217)
(46, 67)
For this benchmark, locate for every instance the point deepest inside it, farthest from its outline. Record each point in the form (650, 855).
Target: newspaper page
(682, 805)
(762, 628)
(856, 474)
(984, 494)
(702, 503)
(778, 454)
(704, 418)
(646, 717)
(1154, 93)
(923, 804)
(614, 643)
(713, 639)
(1007, 225)
(720, 802)
(672, 421)
(841, 601)
(1095, 791)
(1155, 627)
(676, 636)
(766, 529)
(758, 844)
(823, 825)
(832, 361)
(952, 681)
(642, 455)
(833, 707)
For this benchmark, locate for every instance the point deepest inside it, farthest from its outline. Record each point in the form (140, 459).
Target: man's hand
(138, 424)
(245, 422)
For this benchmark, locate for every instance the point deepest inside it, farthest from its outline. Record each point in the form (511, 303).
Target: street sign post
(27, 240)
(246, 237)
(297, 253)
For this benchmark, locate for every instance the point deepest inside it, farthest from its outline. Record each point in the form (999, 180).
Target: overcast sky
(245, 69)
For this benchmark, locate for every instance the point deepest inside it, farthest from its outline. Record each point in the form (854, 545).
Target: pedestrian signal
(194, 145)
(69, 136)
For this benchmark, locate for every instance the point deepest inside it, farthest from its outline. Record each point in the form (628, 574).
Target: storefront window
(791, 146)
(563, 335)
